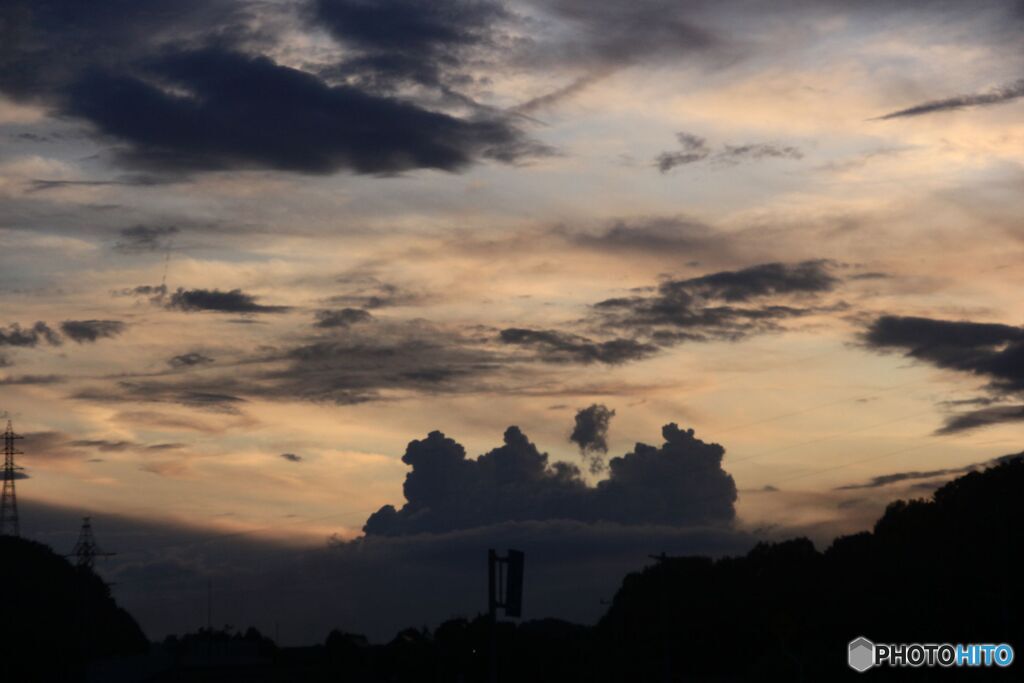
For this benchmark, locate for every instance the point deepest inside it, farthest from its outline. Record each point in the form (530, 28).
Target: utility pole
(86, 549)
(9, 499)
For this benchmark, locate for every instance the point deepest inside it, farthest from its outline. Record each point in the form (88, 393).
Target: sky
(263, 260)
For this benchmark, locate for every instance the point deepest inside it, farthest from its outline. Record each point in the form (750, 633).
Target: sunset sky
(252, 249)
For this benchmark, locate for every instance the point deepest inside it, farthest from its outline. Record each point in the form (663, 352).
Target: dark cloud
(946, 473)
(83, 331)
(695, 149)
(291, 457)
(343, 365)
(248, 112)
(234, 301)
(369, 292)
(622, 34)
(209, 395)
(656, 235)
(185, 87)
(140, 238)
(553, 346)
(355, 369)
(701, 308)
(984, 417)
(590, 433)
(679, 484)
(990, 350)
(13, 380)
(736, 153)
(16, 335)
(155, 292)
(554, 97)
(190, 359)
(1006, 93)
(424, 42)
(342, 318)
(103, 444)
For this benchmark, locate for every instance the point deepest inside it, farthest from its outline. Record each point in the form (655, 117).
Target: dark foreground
(946, 570)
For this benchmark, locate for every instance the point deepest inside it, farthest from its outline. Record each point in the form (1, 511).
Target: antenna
(9, 500)
(86, 550)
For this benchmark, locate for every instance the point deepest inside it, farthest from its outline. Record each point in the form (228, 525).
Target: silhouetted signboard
(505, 581)
(514, 583)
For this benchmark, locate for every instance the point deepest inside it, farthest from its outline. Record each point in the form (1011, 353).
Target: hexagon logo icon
(861, 654)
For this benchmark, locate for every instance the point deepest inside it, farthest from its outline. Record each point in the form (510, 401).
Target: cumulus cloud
(989, 350)
(233, 301)
(680, 483)
(1001, 95)
(590, 433)
(83, 331)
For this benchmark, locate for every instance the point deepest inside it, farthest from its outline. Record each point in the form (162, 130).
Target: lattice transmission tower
(86, 550)
(9, 500)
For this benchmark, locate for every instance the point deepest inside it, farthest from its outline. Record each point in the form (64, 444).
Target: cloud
(590, 433)
(369, 292)
(984, 417)
(14, 380)
(342, 318)
(736, 153)
(142, 238)
(553, 346)
(672, 235)
(291, 457)
(83, 331)
(898, 477)
(423, 42)
(702, 308)
(558, 95)
(15, 335)
(190, 359)
(234, 301)
(621, 34)
(188, 87)
(358, 368)
(990, 350)
(680, 483)
(248, 112)
(1000, 95)
(696, 149)
(210, 395)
